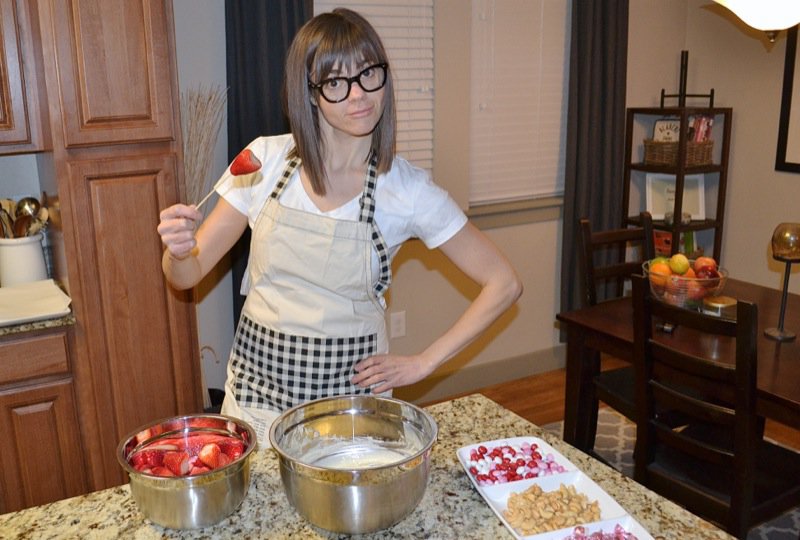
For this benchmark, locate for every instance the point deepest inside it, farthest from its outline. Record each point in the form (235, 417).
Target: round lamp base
(779, 335)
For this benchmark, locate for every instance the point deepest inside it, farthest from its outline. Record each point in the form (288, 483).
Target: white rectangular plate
(627, 522)
(544, 449)
(496, 496)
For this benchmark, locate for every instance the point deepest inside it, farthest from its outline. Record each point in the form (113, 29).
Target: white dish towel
(33, 301)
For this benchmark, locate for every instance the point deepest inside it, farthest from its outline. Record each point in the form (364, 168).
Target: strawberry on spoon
(245, 163)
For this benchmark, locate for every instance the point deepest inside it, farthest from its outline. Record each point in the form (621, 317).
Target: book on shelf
(662, 241)
(700, 128)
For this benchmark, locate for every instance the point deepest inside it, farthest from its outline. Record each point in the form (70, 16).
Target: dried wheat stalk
(202, 111)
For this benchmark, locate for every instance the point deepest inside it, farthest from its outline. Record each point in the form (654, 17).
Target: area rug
(615, 439)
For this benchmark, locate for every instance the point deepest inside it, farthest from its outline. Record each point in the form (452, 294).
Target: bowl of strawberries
(188, 471)
(684, 282)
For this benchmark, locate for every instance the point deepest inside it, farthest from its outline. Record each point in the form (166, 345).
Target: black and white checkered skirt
(278, 371)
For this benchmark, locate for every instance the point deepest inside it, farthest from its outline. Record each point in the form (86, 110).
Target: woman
(329, 208)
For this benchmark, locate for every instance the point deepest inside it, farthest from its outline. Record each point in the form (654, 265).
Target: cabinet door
(140, 334)
(21, 128)
(40, 450)
(114, 75)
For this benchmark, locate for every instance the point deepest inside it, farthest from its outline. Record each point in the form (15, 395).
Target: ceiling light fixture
(770, 16)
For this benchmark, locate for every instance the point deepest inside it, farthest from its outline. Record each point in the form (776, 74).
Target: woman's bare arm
(189, 256)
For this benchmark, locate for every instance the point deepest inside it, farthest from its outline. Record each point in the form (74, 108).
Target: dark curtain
(258, 35)
(595, 131)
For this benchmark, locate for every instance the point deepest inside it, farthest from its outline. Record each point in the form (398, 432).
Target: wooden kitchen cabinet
(40, 450)
(115, 60)
(23, 106)
(111, 78)
(145, 354)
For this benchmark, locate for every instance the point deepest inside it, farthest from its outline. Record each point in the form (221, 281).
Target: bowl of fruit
(189, 471)
(684, 282)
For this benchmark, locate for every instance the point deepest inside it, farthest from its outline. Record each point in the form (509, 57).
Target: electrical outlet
(397, 324)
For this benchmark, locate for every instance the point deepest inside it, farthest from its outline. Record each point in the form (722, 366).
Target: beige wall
(746, 74)
(433, 295)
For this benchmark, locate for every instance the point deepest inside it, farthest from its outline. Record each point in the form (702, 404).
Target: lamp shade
(766, 15)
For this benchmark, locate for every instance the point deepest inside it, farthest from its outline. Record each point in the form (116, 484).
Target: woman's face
(359, 113)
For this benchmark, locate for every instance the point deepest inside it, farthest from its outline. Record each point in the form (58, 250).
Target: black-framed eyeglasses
(336, 89)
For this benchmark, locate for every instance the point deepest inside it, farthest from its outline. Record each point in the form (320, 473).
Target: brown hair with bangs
(328, 41)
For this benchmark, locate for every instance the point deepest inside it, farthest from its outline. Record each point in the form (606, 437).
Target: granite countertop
(450, 509)
(11, 329)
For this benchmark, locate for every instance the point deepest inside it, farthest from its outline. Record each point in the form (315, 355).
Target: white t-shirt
(407, 202)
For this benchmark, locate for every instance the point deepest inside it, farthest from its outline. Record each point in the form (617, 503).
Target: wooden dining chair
(717, 465)
(604, 256)
(609, 258)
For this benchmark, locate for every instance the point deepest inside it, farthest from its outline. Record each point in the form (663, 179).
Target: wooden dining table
(608, 328)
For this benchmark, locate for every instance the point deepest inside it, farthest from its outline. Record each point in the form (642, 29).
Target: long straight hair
(328, 41)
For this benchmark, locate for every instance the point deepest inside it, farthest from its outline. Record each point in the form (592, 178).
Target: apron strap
(288, 171)
(368, 215)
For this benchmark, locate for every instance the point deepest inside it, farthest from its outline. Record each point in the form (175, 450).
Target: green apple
(679, 264)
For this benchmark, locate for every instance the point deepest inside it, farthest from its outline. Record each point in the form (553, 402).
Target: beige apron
(312, 310)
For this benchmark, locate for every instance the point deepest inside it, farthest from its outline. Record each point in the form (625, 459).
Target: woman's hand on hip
(384, 372)
(177, 229)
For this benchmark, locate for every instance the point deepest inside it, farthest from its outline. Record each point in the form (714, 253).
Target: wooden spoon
(6, 224)
(21, 225)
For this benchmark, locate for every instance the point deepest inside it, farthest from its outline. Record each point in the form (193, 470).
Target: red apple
(704, 262)
(707, 273)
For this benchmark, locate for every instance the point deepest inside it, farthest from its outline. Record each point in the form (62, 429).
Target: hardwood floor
(540, 399)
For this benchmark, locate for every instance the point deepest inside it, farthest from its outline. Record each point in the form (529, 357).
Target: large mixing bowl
(354, 464)
(195, 500)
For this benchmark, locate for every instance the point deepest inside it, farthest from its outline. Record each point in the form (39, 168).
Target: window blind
(406, 28)
(519, 77)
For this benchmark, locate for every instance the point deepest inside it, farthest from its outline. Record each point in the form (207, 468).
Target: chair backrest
(603, 256)
(717, 399)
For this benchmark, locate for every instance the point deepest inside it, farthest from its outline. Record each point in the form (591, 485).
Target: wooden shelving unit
(639, 126)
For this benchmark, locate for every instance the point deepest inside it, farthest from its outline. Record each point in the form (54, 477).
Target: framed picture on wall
(660, 195)
(788, 156)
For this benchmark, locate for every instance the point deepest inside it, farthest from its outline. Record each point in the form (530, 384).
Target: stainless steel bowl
(354, 464)
(189, 502)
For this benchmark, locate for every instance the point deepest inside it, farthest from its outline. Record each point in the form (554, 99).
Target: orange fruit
(659, 272)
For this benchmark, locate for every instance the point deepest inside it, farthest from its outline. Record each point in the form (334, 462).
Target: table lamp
(785, 248)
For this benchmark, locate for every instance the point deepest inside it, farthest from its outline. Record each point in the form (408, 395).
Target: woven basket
(666, 153)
